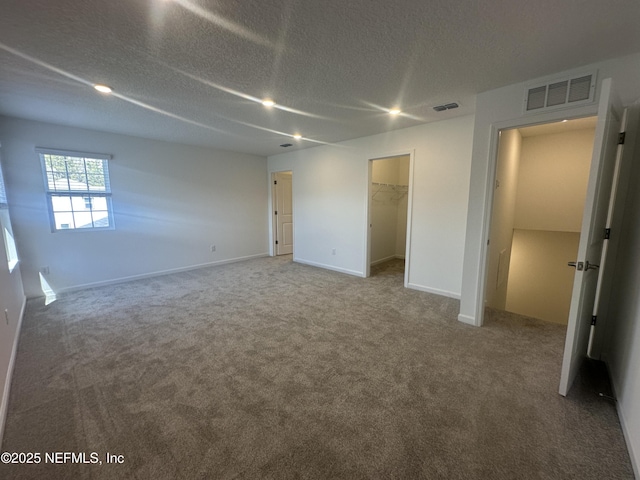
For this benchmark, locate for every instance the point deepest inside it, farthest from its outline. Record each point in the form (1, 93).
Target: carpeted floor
(272, 369)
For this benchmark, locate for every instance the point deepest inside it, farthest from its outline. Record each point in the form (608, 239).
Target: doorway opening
(539, 196)
(388, 212)
(282, 216)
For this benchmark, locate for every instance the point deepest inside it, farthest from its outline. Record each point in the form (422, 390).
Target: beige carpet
(271, 369)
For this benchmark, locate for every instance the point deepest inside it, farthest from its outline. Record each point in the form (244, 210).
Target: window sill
(12, 265)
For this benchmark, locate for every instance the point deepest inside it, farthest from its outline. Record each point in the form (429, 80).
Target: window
(3, 192)
(9, 242)
(10, 249)
(78, 190)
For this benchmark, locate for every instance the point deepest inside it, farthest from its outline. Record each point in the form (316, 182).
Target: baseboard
(329, 267)
(158, 273)
(4, 406)
(436, 291)
(386, 259)
(466, 319)
(635, 460)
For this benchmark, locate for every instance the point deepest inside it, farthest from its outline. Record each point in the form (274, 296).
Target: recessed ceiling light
(297, 136)
(102, 88)
(394, 111)
(565, 120)
(267, 102)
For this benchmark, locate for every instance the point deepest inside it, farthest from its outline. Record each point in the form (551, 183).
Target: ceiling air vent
(561, 92)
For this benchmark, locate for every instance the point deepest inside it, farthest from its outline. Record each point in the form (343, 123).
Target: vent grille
(560, 92)
(580, 89)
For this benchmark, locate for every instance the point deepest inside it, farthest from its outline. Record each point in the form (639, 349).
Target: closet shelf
(390, 187)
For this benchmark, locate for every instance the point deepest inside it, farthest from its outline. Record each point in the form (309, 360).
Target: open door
(592, 235)
(283, 214)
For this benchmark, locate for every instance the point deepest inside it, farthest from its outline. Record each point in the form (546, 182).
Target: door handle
(591, 266)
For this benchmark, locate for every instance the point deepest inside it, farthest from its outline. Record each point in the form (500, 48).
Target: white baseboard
(157, 273)
(635, 462)
(467, 319)
(437, 291)
(4, 406)
(633, 455)
(386, 259)
(329, 267)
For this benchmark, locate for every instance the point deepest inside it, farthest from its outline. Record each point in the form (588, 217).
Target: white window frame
(3, 191)
(81, 193)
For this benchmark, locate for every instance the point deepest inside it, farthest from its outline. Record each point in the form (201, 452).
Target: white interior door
(592, 234)
(283, 213)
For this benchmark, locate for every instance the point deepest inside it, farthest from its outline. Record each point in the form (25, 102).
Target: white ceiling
(187, 70)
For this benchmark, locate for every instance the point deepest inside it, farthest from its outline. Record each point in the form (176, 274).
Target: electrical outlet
(333, 251)
(44, 270)
(213, 248)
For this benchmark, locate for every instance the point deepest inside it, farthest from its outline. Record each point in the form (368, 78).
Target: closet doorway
(539, 196)
(388, 213)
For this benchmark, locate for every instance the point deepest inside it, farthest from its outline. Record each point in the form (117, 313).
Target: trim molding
(467, 319)
(329, 267)
(436, 291)
(386, 259)
(158, 273)
(627, 437)
(635, 461)
(4, 406)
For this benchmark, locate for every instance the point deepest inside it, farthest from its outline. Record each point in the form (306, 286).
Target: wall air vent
(563, 92)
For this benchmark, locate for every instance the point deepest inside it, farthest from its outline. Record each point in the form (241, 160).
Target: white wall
(622, 352)
(503, 218)
(12, 301)
(330, 198)
(552, 185)
(503, 108)
(540, 282)
(170, 202)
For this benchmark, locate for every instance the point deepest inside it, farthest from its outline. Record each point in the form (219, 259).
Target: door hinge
(276, 242)
(275, 182)
(607, 233)
(594, 319)
(621, 136)
(276, 212)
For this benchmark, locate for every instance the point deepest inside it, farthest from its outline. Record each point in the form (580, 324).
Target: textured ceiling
(190, 71)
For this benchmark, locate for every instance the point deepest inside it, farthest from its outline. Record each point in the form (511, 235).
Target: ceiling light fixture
(297, 136)
(102, 88)
(267, 102)
(395, 111)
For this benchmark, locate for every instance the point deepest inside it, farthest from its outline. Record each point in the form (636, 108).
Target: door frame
(496, 128)
(271, 207)
(491, 216)
(367, 251)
